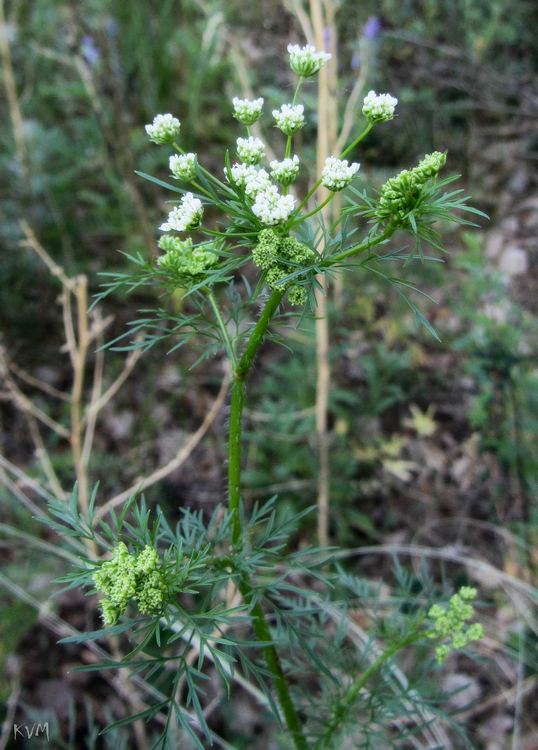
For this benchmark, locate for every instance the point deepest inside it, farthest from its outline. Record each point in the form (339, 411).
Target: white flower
(256, 181)
(272, 208)
(289, 118)
(240, 173)
(337, 174)
(306, 61)
(164, 129)
(247, 111)
(183, 166)
(379, 107)
(185, 216)
(250, 150)
(285, 171)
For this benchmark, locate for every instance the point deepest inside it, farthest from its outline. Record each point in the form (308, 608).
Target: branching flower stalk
(263, 224)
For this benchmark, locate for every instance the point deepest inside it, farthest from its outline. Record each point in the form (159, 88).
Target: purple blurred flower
(89, 51)
(355, 61)
(372, 28)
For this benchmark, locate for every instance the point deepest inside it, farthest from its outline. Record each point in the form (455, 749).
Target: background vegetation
(432, 443)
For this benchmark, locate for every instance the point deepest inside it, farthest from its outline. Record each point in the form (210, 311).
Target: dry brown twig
(81, 328)
(181, 456)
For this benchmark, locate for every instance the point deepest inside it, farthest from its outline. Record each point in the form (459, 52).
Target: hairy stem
(261, 628)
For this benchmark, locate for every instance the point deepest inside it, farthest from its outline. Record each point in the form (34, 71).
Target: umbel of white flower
(187, 215)
(379, 107)
(250, 150)
(252, 179)
(306, 61)
(240, 173)
(271, 207)
(285, 171)
(183, 166)
(163, 129)
(256, 181)
(337, 173)
(289, 118)
(247, 111)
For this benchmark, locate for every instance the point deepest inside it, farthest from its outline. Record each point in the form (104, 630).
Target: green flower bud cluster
(182, 260)
(274, 253)
(399, 195)
(450, 623)
(125, 577)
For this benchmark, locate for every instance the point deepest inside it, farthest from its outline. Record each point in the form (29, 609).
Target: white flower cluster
(379, 107)
(240, 173)
(285, 171)
(183, 166)
(163, 129)
(306, 61)
(337, 174)
(289, 118)
(272, 208)
(247, 111)
(250, 150)
(256, 181)
(250, 178)
(187, 215)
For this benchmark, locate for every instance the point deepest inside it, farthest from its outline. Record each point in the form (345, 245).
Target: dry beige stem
(322, 13)
(11, 94)
(81, 330)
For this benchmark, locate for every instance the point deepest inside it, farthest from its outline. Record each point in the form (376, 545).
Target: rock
(465, 688)
(513, 261)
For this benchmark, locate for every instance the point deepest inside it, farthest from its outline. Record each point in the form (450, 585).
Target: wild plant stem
(355, 688)
(357, 140)
(362, 246)
(223, 329)
(240, 374)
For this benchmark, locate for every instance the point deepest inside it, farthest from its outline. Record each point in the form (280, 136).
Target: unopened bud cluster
(127, 577)
(182, 261)
(450, 623)
(278, 256)
(399, 195)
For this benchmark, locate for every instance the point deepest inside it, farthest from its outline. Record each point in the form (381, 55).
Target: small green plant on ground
(248, 251)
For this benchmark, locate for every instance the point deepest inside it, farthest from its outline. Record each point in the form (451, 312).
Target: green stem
(241, 371)
(261, 628)
(297, 89)
(357, 140)
(362, 246)
(291, 717)
(314, 211)
(354, 689)
(201, 189)
(222, 325)
(289, 139)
